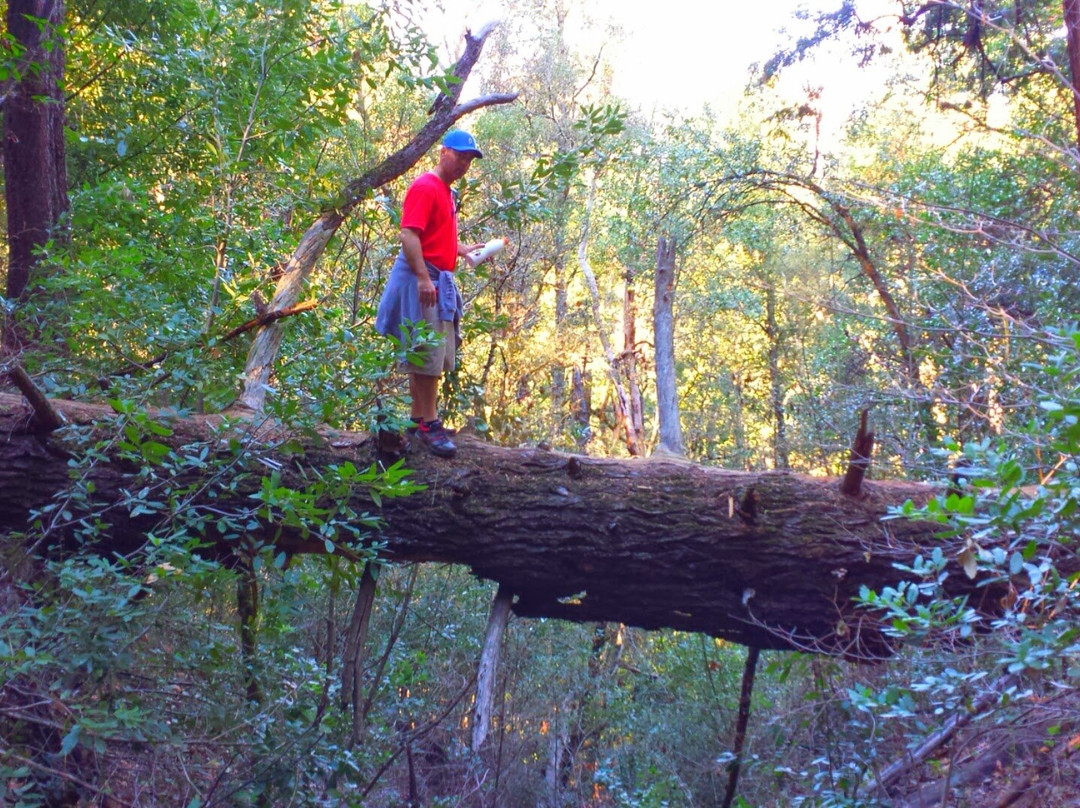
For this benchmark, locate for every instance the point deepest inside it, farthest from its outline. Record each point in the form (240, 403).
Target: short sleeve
(416, 209)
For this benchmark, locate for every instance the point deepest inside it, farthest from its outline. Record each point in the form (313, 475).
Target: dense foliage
(920, 266)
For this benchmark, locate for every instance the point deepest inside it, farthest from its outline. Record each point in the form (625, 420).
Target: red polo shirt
(429, 210)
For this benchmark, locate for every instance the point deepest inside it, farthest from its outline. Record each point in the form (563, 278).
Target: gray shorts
(440, 357)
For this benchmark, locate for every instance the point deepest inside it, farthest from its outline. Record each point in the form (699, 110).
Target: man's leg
(429, 430)
(423, 390)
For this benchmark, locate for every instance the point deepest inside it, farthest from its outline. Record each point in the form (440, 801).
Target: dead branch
(267, 317)
(45, 416)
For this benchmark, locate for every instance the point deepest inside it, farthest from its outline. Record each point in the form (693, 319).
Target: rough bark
(581, 404)
(47, 419)
(562, 308)
(247, 608)
(767, 559)
(667, 397)
(443, 113)
(488, 669)
(264, 348)
(1072, 30)
(859, 458)
(35, 175)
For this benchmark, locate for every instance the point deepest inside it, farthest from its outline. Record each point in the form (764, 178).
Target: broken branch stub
(859, 460)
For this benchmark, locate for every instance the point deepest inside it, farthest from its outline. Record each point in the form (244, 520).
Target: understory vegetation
(916, 261)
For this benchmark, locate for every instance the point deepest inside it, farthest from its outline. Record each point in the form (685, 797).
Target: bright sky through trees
(682, 54)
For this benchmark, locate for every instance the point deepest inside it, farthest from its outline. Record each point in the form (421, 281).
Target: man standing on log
(421, 284)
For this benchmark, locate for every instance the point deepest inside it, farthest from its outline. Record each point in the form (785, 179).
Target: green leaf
(1016, 564)
(71, 740)
(154, 452)
(158, 429)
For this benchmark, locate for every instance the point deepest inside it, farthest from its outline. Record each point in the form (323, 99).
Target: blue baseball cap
(462, 141)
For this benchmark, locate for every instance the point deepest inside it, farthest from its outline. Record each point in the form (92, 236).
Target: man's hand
(465, 249)
(410, 245)
(429, 295)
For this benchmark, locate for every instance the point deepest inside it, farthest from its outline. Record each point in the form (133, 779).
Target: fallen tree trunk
(768, 559)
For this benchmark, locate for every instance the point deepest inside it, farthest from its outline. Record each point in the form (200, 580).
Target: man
(421, 284)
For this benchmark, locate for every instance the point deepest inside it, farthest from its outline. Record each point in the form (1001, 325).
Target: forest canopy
(698, 310)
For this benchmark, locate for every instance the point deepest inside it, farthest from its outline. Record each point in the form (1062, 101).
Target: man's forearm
(414, 254)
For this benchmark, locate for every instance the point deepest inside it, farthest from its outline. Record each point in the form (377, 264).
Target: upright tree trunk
(558, 372)
(738, 422)
(635, 422)
(562, 308)
(1072, 30)
(353, 654)
(581, 404)
(667, 395)
(555, 773)
(776, 387)
(622, 398)
(247, 608)
(742, 721)
(35, 175)
(488, 670)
